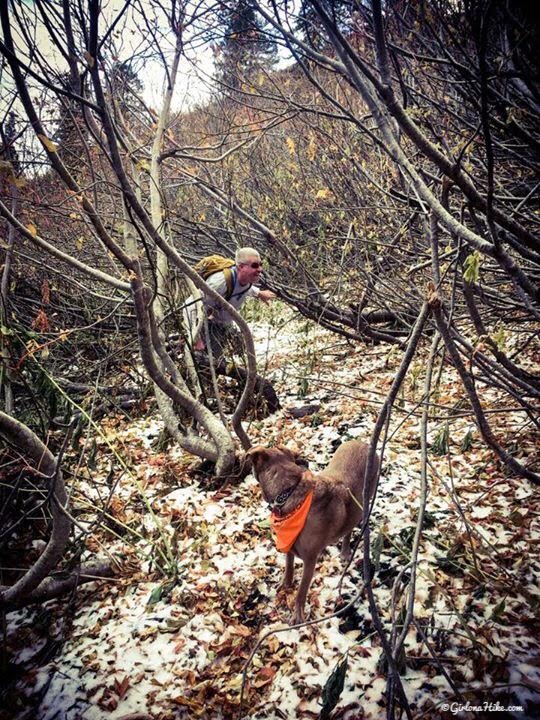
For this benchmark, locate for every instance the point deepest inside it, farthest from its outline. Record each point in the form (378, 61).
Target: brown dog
(333, 512)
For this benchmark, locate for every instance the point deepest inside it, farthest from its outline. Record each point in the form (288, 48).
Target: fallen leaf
(121, 687)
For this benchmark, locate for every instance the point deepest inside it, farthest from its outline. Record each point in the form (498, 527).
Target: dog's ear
(257, 451)
(285, 451)
(294, 456)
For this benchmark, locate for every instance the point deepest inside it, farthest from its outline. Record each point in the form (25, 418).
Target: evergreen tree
(71, 132)
(126, 86)
(310, 24)
(246, 46)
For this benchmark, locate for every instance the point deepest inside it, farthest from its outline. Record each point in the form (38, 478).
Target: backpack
(212, 264)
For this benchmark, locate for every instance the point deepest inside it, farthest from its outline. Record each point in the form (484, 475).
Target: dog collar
(280, 500)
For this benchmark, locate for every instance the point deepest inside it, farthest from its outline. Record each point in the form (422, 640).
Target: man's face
(250, 270)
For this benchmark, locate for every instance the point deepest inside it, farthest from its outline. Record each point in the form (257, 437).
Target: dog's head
(260, 456)
(277, 469)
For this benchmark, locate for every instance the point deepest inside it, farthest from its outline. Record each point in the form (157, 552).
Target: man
(246, 271)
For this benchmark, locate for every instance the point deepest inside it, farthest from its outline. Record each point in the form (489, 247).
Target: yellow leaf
(32, 229)
(290, 145)
(79, 242)
(19, 182)
(235, 683)
(48, 143)
(89, 59)
(74, 216)
(6, 168)
(312, 148)
(143, 165)
(323, 194)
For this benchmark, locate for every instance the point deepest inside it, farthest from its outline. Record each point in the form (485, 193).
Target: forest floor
(197, 572)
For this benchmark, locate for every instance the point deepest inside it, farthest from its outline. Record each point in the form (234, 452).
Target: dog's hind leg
(289, 572)
(346, 548)
(307, 575)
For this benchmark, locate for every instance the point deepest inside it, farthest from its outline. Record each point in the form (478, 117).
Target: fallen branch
(47, 466)
(55, 586)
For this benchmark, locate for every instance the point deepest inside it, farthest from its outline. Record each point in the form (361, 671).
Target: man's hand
(266, 296)
(199, 344)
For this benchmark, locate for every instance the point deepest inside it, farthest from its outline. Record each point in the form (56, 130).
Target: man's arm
(266, 296)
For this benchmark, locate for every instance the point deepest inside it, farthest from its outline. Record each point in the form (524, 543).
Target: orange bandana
(287, 529)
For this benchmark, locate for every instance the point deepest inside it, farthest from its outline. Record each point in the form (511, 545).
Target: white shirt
(220, 316)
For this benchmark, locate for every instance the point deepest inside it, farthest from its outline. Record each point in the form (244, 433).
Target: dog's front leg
(289, 572)
(309, 567)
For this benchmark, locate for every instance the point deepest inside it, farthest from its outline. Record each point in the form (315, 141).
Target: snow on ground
(175, 646)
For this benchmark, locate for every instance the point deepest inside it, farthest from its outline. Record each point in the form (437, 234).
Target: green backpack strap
(230, 279)
(231, 283)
